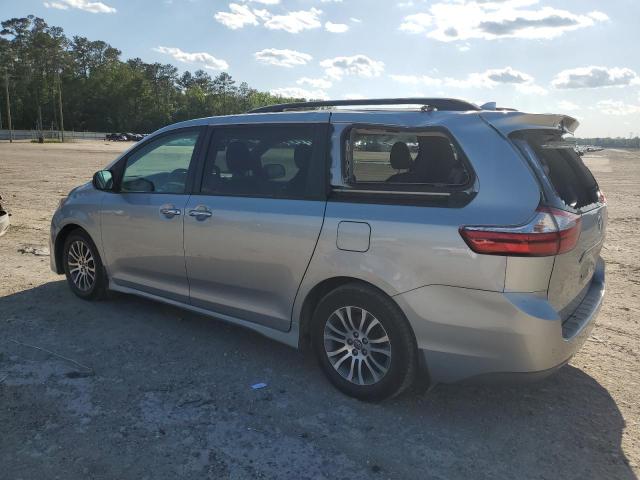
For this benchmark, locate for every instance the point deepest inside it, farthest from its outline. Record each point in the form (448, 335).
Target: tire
(83, 266)
(363, 368)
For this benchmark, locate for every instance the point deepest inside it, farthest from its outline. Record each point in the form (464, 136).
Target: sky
(578, 57)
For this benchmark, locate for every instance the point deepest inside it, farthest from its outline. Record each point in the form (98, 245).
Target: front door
(142, 223)
(252, 229)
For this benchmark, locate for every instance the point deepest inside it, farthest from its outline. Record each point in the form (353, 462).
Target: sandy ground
(171, 397)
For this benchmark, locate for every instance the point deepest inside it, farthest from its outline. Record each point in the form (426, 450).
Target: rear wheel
(83, 266)
(364, 343)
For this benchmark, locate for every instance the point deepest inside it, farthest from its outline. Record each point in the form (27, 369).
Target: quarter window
(399, 160)
(271, 161)
(161, 166)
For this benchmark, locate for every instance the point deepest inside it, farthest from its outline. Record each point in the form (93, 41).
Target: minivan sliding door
(251, 230)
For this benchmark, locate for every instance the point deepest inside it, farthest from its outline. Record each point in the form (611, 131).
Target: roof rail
(428, 104)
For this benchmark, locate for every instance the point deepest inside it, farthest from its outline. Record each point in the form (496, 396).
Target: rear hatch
(568, 185)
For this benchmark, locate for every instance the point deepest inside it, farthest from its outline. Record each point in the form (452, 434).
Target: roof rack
(428, 104)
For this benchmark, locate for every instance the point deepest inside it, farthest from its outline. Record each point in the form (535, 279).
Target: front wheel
(83, 266)
(364, 343)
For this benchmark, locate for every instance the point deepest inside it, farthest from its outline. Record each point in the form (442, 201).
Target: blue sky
(578, 57)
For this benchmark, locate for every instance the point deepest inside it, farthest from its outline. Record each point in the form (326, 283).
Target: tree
(84, 84)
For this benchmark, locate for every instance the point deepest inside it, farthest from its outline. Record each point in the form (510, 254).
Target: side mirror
(273, 171)
(103, 180)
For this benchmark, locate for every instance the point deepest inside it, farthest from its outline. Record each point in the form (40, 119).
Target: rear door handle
(170, 212)
(200, 213)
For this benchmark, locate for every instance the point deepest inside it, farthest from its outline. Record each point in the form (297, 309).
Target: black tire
(402, 362)
(95, 289)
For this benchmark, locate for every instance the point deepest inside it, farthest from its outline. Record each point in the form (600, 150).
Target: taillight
(550, 232)
(601, 197)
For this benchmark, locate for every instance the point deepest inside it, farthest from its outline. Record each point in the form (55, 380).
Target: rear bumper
(464, 334)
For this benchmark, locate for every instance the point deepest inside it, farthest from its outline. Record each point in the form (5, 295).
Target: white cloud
(595, 77)
(282, 58)
(209, 61)
(491, 78)
(450, 20)
(294, 22)
(297, 92)
(321, 83)
(58, 5)
(336, 27)
(238, 17)
(241, 15)
(416, 23)
(599, 16)
(86, 5)
(356, 65)
(618, 108)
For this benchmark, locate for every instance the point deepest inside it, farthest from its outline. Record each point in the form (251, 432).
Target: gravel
(128, 388)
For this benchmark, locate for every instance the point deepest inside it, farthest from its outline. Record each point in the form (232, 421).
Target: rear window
(563, 167)
(405, 160)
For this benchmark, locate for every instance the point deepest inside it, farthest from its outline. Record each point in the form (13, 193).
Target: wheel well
(59, 245)
(313, 298)
(422, 382)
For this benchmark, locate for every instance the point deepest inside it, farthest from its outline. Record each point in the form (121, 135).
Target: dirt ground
(169, 392)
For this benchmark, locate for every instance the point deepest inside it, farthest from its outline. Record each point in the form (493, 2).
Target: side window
(391, 159)
(160, 166)
(272, 161)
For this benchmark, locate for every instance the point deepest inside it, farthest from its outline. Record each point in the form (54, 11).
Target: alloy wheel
(82, 266)
(357, 345)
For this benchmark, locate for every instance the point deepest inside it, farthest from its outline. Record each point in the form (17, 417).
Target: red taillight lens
(601, 197)
(550, 232)
(569, 227)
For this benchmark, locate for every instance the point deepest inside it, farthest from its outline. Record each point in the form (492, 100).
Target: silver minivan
(399, 238)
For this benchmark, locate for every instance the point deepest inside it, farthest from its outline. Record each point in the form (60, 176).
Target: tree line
(51, 81)
(608, 142)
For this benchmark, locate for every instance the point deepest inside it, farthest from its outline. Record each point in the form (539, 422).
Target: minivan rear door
(568, 184)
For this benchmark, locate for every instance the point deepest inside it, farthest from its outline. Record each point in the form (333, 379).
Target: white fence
(49, 134)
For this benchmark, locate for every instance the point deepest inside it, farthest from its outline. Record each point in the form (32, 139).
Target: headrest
(435, 159)
(302, 155)
(400, 156)
(238, 158)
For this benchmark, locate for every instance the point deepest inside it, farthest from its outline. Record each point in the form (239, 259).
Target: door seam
(313, 252)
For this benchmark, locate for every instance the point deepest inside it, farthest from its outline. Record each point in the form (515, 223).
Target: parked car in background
(124, 137)
(448, 241)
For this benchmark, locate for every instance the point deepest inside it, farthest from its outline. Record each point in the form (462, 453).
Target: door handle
(170, 212)
(200, 213)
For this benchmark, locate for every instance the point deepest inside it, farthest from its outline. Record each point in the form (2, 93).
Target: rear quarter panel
(415, 246)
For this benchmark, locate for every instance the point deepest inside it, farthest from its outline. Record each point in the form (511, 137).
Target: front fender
(80, 209)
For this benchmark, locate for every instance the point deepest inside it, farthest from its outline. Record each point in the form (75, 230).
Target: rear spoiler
(509, 122)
